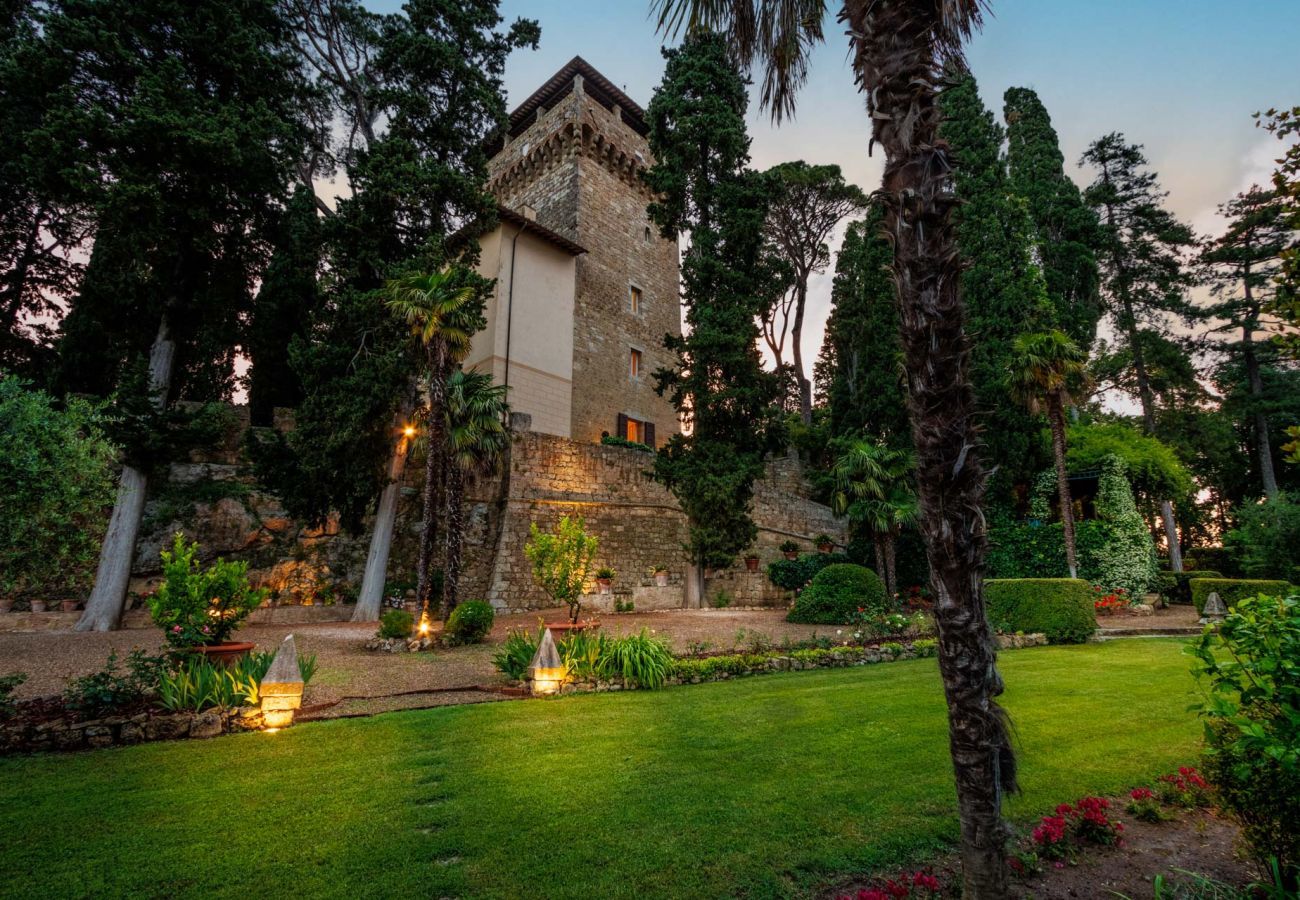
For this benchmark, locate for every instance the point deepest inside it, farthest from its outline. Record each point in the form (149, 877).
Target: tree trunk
(898, 63)
(796, 348)
(1262, 445)
(891, 559)
(878, 545)
(107, 599)
(1056, 415)
(455, 539)
(430, 506)
(371, 598)
(693, 586)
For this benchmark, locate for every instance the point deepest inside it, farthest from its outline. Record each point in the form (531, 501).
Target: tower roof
(560, 85)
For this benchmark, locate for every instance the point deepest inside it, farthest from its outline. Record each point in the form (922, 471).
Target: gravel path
(346, 669)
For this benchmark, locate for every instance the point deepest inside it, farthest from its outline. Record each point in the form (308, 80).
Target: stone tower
(571, 160)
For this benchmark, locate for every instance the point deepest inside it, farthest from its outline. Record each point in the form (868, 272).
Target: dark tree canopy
(697, 135)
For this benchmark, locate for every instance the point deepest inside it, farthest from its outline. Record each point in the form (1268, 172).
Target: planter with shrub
(1230, 590)
(1061, 608)
(790, 550)
(838, 593)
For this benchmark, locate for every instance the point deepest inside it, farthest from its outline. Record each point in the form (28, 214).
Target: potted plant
(789, 549)
(825, 543)
(661, 576)
(560, 560)
(38, 606)
(199, 609)
(605, 580)
(751, 561)
(69, 605)
(6, 603)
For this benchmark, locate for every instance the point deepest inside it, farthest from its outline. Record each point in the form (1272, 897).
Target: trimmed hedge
(1175, 587)
(470, 622)
(794, 574)
(836, 594)
(1233, 589)
(1061, 608)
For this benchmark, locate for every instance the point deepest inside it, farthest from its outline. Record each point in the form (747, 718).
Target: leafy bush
(1252, 713)
(1266, 537)
(789, 547)
(1230, 590)
(470, 622)
(582, 653)
(794, 574)
(836, 594)
(194, 606)
(110, 690)
(396, 623)
(560, 560)
(1061, 608)
(721, 600)
(1176, 588)
(55, 484)
(610, 440)
(197, 683)
(516, 653)
(639, 659)
(9, 684)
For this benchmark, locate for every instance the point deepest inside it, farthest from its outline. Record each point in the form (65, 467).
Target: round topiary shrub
(396, 623)
(470, 622)
(836, 593)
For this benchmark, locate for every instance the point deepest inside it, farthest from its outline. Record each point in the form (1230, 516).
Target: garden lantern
(281, 689)
(547, 672)
(425, 624)
(1214, 610)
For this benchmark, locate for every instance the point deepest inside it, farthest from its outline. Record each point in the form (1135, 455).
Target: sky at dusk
(1181, 77)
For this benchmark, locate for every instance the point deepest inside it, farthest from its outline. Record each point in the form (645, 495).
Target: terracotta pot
(661, 579)
(560, 629)
(6, 604)
(790, 554)
(604, 585)
(68, 605)
(226, 654)
(825, 548)
(38, 606)
(751, 563)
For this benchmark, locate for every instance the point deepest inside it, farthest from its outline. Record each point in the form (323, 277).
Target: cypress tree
(1065, 229)
(1002, 287)
(701, 150)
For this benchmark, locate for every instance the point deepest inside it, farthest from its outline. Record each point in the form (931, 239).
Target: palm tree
(440, 310)
(1046, 365)
(899, 49)
(872, 488)
(476, 440)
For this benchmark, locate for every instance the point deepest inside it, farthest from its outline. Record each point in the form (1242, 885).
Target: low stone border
(401, 645)
(739, 665)
(113, 731)
(22, 621)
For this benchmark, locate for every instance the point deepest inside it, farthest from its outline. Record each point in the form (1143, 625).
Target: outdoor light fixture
(425, 624)
(547, 673)
(281, 689)
(409, 431)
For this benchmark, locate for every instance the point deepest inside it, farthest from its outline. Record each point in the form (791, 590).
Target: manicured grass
(763, 787)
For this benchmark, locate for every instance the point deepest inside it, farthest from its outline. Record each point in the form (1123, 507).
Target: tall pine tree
(1144, 279)
(701, 150)
(1065, 229)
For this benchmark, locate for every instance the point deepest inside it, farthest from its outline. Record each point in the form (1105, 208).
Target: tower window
(634, 364)
(648, 237)
(634, 299)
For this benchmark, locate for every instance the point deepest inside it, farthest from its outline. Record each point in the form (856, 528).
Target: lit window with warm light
(634, 364)
(634, 430)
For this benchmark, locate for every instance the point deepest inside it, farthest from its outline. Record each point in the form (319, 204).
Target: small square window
(634, 364)
(634, 299)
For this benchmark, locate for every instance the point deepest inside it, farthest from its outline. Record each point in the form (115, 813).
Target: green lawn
(762, 787)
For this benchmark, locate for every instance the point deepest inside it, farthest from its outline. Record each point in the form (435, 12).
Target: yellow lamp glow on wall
(425, 625)
(547, 672)
(281, 689)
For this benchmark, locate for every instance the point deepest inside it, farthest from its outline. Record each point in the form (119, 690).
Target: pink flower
(176, 629)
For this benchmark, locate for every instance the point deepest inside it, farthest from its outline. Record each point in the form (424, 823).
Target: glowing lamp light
(425, 625)
(547, 672)
(408, 431)
(281, 689)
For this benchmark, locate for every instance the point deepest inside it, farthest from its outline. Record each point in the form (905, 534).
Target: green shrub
(1230, 590)
(1061, 608)
(639, 659)
(196, 606)
(396, 623)
(1252, 713)
(110, 690)
(470, 622)
(610, 440)
(516, 653)
(1265, 539)
(9, 684)
(198, 684)
(794, 574)
(582, 653)
(836, 594)
(560, 559)
(1176, 588)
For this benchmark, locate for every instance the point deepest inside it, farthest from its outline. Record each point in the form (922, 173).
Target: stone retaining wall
(111, 731)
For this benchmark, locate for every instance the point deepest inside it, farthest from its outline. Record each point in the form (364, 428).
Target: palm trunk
(1056, 415)
(371, 598)
(891, 560)
(796, 347)
(878, 545)
(107, 599)
(430, 505)
(455, 538)
(897, 60)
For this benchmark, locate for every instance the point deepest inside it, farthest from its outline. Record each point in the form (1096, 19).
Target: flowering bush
(1186, 787)
(196, 606)
(1085, 822)
(1108, 603)
(917, 598)
(1144, 806)
(906, 885)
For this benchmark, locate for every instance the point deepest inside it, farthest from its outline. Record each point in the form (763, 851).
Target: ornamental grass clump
(196, 606)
